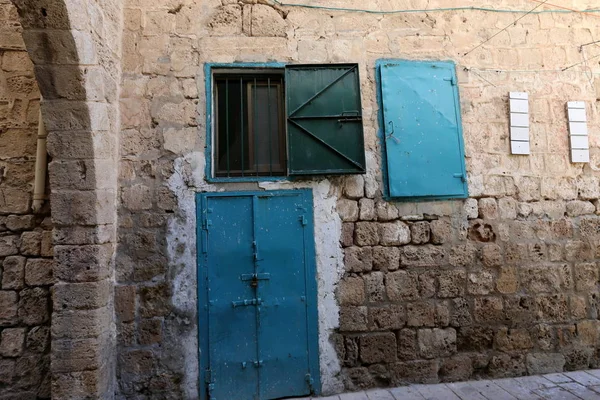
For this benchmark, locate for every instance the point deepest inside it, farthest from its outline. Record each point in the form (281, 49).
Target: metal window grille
(249, 125)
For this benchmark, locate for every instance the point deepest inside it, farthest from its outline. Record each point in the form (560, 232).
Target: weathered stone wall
(504, 283)
(25, 238)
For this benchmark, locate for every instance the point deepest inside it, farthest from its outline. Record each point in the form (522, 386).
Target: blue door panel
(232, 330)
(261, 295)
(422, 126)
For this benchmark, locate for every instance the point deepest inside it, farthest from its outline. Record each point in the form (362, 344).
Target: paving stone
(534, 382)
(580, 391)
(556, 393)
(354, 396)
(381, 394)
(584, 378)
(558, 378)
(492, 391)
(513, 387)
(436, 392)
(406, 393)
(465, 391)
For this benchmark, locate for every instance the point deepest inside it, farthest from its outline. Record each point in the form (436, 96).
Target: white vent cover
(519, 123)
(578, 132)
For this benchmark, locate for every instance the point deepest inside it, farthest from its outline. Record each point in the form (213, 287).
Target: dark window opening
(250, 125)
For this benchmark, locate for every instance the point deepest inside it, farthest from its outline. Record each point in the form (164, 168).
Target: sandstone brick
(419, 371)
(480, 282)
(475, 338)
(528, 188)
(428, 284)
(351, 291)
(366, 233)
(578, 307)
(456, 368)
(394, 233)
(489, 309)
(420, 232)
(375, 286)
(378, 347)
(14, 201)
(460, 315)
(407, 344)
(546, 278)
(125, 303)
(491, 255)
(544, 363)
(367, 209)
(452, 283)
(9, 302)
(46, 248)
(89, 295)
(402, 286)
(155, 301)
(479, 231)
(505, 365)
(7, 371)
(578, 358)
(588, 332)
(348, 210)
(13, 272)
(150, 331)
(576, 208)
(512, 339)
(389, 317)
(80, 324)
(471, 208)
(11, 342)
(434, 343)
(34, 306)
(537, 252)
(507, 281)
(462, 255)
(39, 272)
(422, 256)
(9, 245)
(358, 259)
(588, 187)
(20, 222)
(507, 208)
(586, 276)
(354, 187)
(38, 339)
(441, 232)
(420, 313)
(488, 208)
(358, 378)
(353, 319)
(386, 258)
(83, 263)
(552, 308)
(137, 197)
(386, 211)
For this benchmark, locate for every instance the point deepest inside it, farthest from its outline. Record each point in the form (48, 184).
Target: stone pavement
(578, 385)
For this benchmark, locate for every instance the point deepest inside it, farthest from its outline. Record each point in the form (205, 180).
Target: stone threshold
(576, 385)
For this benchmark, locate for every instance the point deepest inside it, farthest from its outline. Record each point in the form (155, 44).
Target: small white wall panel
(519, 123)
(578, 132)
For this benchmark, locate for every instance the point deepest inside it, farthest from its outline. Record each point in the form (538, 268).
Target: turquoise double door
(257, 295)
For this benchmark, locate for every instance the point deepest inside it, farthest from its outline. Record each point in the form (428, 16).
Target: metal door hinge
(452, 80)
(303, 220)
(461, 176)
(208, 376)
(310, 382)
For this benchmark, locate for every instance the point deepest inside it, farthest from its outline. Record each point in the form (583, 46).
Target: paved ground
(564, 386)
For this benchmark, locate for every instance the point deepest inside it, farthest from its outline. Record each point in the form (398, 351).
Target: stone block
(125, 303)
(529, 188)
(375, 287)
(155, 301)
(588, 187)
(13, 273)
(462, 255)
(480, 282)
(548, 278)
(82, 296)
(38, 339)
(508, 340)
(576, 208)
(347, 236)
(353, 319)
(420, 232)
(394, 233)
(507, 208)
(47, 249)
(366, 233)
(9, 245)
(14, 201)
(475, 339)
(150, 331)
(354, 187)
(11, 342)
(74, 207)
(84, 263)
(358, 259)
(480, 231)
(578, 358)
(507, 280)
(80, 324)
(9, 302)
(420, 313)
(505, 365)
(588, 332)
(351, 291)
(34, 306)
(386, 211)
(419, 371)
(456, 368)
(20, 222)
(578, 306)
(422, 256)
(471, 208)
(489, 310)
(137, 197)
(348, 210)
(389, 317)
(402, 286)
(435, 343)
(460, 313)
(386, 258)
(488, 208)
(441, 231)
(75, 355)
(39, 272)
(544, 363)
(586, 277)
(491, 255)
(407, 344)
(266, 21)
(7, 371)
(552, 308)
(378, 347)
(367, 209)
(451, 283)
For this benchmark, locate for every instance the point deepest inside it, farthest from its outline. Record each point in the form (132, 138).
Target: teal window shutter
(422, 130)
(324, 120)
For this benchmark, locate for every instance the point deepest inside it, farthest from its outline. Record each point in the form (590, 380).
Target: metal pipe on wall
(39, 186)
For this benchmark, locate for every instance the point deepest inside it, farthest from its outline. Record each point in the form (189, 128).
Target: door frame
(310, 280)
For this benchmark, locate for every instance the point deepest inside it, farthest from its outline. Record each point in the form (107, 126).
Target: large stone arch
(75, 46)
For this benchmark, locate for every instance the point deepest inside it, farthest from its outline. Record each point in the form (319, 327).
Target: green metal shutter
(324, 121)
